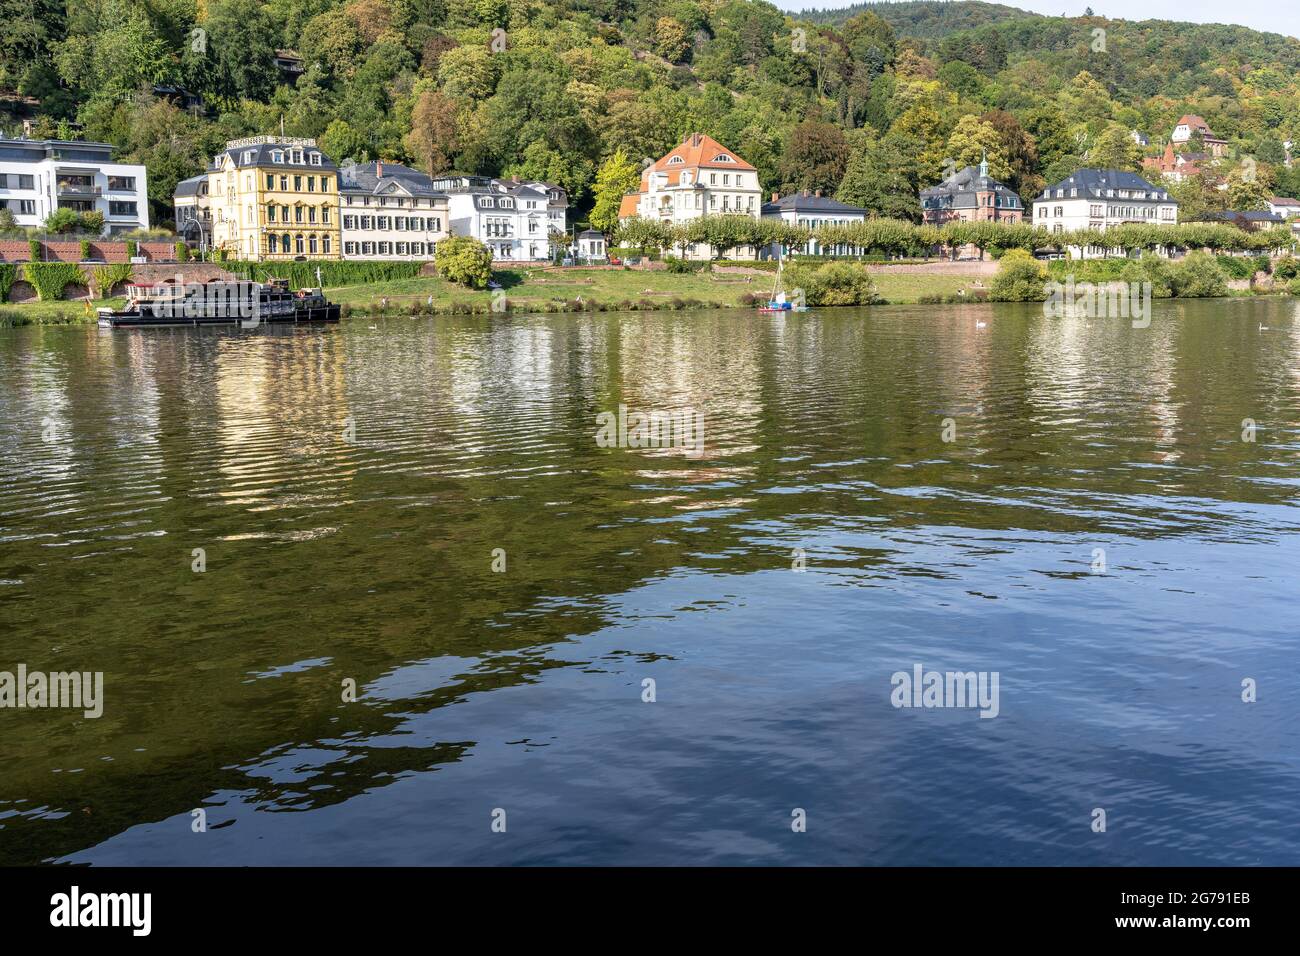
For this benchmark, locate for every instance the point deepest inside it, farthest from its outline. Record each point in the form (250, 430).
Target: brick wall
(16, 250)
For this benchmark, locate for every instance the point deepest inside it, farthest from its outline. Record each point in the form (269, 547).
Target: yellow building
(274, 199)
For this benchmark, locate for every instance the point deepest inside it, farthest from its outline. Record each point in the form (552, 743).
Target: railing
(76, 189)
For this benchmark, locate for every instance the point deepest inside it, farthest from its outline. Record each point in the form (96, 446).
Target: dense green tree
(617, 177)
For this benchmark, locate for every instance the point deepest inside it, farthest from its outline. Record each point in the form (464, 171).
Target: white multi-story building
(698, 177)
(38, 176)
(514, 219)
(1100, 199)
(812, 210)
(390, 211)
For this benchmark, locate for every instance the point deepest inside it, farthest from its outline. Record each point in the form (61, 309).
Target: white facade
(390, 212)
(513, 219)
(1284, 207)
(40, 176)
(1100, 199)
(811, 212)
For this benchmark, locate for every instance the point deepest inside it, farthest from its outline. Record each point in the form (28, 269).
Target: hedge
(8, 275)
(302, 275)
(50, 278)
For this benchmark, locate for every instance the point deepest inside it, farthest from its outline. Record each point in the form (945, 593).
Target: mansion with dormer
(274, 198)
(698, 177)
(516, 220)
(970, 195)
(389, 211)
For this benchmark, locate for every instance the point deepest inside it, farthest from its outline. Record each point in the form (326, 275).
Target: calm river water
(349, 489)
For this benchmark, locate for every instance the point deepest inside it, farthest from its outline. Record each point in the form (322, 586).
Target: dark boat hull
(134, 320)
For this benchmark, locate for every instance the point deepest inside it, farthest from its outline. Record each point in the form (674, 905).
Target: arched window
(285, 243)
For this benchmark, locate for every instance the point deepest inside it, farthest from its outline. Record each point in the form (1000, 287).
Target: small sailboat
(778, 302)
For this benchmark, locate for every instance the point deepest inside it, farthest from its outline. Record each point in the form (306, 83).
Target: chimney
(805, 194)
(818, 194)
(776, 197)
(695, 139)
(514, 179)
(379, 169)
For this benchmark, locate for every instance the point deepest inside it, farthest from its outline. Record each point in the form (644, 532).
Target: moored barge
(219, 302)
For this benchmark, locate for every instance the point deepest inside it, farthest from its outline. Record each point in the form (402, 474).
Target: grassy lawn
(53, 313)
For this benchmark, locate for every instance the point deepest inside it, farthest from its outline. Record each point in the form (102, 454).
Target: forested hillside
(580, 91)
(926, 19)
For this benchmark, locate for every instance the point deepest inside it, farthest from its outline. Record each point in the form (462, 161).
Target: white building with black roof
(1102, 198)
(514, 219)
(811, 210)
(390, 211)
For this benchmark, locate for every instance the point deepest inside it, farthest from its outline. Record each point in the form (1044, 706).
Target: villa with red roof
(698, 177)
(1190, 125)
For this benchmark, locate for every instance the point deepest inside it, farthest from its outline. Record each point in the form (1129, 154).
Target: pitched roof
(696, 151)
(961, 191)
(627, 206)
(1093, 183)
(260, 155)
(191, 186)
(371, 178)
(802, 202)
(1283, 201)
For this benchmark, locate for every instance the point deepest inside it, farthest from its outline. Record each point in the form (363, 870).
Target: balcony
(75, 190)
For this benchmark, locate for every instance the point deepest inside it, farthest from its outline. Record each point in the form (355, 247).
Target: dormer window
(248, 156)
(507, 204)
(723, 158)
(315, 159)
(676, 161)
(277, 156)
(488, 202)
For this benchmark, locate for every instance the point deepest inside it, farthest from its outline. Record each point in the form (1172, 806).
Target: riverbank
(539, 289)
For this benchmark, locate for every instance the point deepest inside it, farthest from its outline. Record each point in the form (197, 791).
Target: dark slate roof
(798, 202)
(1093, 183)
(961, 191)
(262, 156)
(591, 234)
(70, 151)
(364, 178)
(1249, 215)
(190, 187)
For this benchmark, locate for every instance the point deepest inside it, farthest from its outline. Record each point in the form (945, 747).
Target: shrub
(132, 248)
(182, 252)
(1287, 268)
(85, 249)
(465, 261)
(50, 278)
(92, 222)
(1294, 286)
(833, 283)
(678, 266)
(1197, 275)
(34, 250)
(1020, 278)
(1235, 267)
(62, 221)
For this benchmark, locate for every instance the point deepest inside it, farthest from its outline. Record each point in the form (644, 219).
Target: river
(566, 653)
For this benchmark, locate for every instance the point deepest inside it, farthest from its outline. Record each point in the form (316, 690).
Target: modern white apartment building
(698, 177)
(38, 176)
(514, 219)
(390, 211)
(1103, 198)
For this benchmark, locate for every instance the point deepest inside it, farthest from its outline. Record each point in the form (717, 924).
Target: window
(384, 248)
(417, 248)
(270, 181)
(676, 161)
(723, 158)
(311, 213)
(284, 184)
(488, 202)
(325, 182)
(365, 222)
(349, 222)
(434, 224)
(126, 183)
(350, 248)
(315, 159)
(325, 245)
(726, 179)
(285, 244)
(311, 243)
(401, 248)
(277, 156)
(297, 184)
(248, 156)
(311, 184)
(713, 179)
(297, 245)
(399, 223)
(297, 213)
(325, 214)
(27, 207)
(116, 208)
(381, 222)
(270, 212)
(367, 248)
